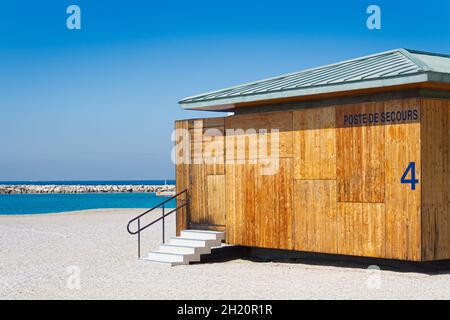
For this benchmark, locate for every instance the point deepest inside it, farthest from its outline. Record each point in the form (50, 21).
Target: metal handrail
(163, 216)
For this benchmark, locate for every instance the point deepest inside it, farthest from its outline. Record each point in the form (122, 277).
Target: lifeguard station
(360, 157)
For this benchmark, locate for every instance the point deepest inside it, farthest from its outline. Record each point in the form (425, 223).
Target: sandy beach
(41, 257)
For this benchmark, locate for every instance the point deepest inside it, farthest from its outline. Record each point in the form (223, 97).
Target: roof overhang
(230, 103)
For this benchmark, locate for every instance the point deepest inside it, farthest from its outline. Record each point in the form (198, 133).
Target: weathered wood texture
(259, 205)
(364, 210)
(360, 169)
(244, 142)
(315, 216)
(402, 203)
(181, 171)
(314, 143)
(361, 229)
(203, 175)
(216, 199)
(336, 187)
(435, 125)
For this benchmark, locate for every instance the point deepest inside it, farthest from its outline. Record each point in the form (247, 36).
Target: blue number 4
(413, 181)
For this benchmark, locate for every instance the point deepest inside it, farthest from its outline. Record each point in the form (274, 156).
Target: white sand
(36, 250)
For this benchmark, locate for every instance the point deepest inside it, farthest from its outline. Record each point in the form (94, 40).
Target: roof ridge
(296, 72)
(420, 63)
(428, 53)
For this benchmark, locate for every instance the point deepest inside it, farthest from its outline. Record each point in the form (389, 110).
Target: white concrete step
(186, 248)
(170, 248)
(203, 235)
(170, 258)
(194, 242)
(165, 263)
(176, 249)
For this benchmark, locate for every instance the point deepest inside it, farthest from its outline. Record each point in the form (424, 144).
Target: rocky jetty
(47, 189)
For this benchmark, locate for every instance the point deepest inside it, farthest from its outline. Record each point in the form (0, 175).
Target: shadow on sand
(260, 255)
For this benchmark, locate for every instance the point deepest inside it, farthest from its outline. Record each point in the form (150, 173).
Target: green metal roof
(390, 68)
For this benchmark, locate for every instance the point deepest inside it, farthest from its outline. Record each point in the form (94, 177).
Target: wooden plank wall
(340, 178)
(361, 174)
(204, 175)
(315, 216)
(259, 207)
(315, 188)
(436, 176)
(315, 144)
(345, 205)
(337, 188)
(403, 205)
(207, 188)
(181, 171)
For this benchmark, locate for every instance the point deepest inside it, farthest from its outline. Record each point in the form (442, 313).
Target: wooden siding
(314, 143)
(259, 206)
(181, 172)
(198, 192)
(315, 216)
(251, 124)
(402, 203)
(337, 188)
(205, 174)
(361, 229)
(216, 200)
(360, 150)
(259, 211)
(436, 176)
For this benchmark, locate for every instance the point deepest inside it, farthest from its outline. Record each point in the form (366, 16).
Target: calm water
(50, 203)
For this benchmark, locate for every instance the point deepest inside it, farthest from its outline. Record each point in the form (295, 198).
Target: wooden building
(361, 159)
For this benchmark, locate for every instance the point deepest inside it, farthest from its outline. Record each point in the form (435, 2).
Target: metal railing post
(139, 238)
(188, 213)
(163, 217)
(163, 240)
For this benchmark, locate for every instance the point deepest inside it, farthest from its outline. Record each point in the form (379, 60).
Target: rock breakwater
(67, 189)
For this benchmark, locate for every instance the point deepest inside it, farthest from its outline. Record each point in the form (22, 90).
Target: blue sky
(100, 102)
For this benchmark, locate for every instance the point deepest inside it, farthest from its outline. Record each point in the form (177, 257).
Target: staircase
(187, 247)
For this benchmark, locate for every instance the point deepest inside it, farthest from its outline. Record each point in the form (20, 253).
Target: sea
(14, 204)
